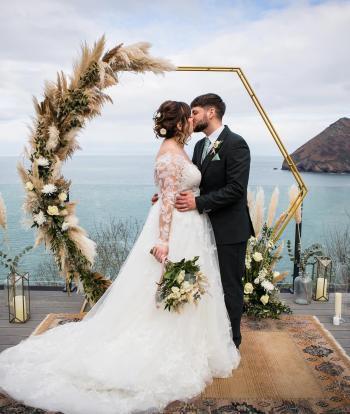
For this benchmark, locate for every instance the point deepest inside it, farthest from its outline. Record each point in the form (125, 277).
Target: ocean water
(122, 186)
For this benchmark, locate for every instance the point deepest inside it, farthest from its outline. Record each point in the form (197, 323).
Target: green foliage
(305, 255)
(12, 263)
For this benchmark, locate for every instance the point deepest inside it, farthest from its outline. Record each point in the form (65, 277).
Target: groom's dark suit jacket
(223, 188)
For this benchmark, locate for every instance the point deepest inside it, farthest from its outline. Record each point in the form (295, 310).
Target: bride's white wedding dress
(127, 355)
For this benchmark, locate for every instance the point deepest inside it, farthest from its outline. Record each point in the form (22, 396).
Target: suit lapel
(211, 155)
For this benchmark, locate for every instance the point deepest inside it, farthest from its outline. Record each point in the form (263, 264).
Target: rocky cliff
(328, 151)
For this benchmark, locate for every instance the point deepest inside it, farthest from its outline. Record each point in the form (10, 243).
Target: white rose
(257, 256)
(181, 276)
(62, 196)
(256, 280)
(264, 299)
(65, 226)
(29, 186)
(248, 288)
(53, 210)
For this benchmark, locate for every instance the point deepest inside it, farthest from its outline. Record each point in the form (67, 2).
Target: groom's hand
(185, 201)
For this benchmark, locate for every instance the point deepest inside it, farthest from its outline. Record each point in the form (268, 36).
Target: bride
(127, 355)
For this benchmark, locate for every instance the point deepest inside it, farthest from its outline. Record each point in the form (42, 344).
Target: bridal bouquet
(182, 282)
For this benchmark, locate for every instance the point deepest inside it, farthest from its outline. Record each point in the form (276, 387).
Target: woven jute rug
(290, 365)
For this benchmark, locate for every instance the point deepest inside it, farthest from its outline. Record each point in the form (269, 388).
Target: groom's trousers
(232, 266)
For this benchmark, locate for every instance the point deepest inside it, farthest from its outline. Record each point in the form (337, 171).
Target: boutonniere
(216, 146)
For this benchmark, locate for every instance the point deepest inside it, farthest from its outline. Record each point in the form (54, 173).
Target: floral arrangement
(67, 105)
(261, 294)
(182, 282)
(260, 290)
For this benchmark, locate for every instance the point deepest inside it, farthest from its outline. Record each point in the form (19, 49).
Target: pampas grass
(68, 104)
(273, 206)
(258, 212)
(3, 216)
(293, 194)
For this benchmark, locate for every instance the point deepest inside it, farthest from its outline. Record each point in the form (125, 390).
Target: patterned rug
(288, 366)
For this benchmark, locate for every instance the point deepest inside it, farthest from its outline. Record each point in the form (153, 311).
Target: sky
(294, 54)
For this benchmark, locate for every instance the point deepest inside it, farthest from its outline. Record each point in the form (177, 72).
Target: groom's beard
(201, 126)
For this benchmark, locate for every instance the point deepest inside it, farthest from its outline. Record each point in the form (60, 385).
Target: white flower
(257, 256)
(29, 185)
(175, 289)
(264, 299)
(256, 280)
(65, 226)
(248, 288)
(262, 273)
(162, 131)
(267, 285)
(62, 196)
(217, 144)
(181, 276)
(39, 218)
(53, 210)
(49, 189)
(43, 162)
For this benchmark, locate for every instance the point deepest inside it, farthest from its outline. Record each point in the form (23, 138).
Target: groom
(223, 158)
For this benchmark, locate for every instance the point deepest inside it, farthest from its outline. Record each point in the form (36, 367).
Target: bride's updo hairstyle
(171, 121)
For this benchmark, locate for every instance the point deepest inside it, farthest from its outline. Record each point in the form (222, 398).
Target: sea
(121, 187)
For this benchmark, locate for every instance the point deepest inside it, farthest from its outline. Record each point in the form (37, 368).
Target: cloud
(291, 52)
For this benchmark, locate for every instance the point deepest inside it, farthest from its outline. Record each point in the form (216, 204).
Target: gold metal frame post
(293, 168)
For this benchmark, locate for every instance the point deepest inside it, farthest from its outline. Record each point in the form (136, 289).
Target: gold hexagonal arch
(293, 168)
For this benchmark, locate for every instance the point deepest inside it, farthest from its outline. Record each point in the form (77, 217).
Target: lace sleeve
(167, 176)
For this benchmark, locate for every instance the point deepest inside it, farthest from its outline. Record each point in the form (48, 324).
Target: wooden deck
(44, 302)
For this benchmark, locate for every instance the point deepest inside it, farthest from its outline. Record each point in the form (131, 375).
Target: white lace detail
(173, 173)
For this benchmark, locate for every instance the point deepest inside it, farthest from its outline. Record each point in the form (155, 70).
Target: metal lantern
(18, 297)
(321, 275)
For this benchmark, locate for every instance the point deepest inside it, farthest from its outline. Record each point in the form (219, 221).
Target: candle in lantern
(338, 304)
(20, 308)
(321, 289)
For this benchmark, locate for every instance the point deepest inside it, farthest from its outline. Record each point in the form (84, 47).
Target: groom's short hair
(210, 99)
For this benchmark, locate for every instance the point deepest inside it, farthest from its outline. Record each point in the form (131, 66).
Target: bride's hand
(160, 252)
